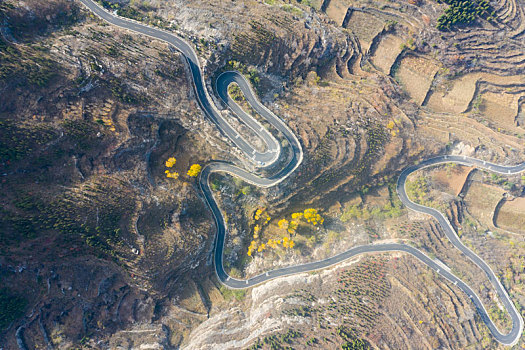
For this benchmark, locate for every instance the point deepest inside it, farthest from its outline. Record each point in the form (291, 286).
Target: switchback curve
(266, 159)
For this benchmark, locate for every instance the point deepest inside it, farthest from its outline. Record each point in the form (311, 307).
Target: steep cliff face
(373, 301)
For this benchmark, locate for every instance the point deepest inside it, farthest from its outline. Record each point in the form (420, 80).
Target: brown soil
(337, 11)
(452, 179)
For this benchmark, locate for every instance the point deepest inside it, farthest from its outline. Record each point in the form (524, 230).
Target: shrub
(464, 12)
(11, 307)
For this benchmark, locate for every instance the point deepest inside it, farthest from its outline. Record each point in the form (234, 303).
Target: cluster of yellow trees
(393, 127)
(252, 247)
(194, 170)
(310, 215)
(106, 121)
(290, 226)
(258, 213)
(258, 216)
(263, 219)
(169, 164)
(271, 243)
(313, 217)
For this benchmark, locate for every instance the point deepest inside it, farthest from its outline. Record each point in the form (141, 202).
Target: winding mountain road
(271, 155)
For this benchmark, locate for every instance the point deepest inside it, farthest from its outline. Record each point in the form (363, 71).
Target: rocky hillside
(99, 249)
(94, 236)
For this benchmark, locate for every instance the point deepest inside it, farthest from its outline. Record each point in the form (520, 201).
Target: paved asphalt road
(199, 86)
(265, 159)
(517, 320)
(222, 83)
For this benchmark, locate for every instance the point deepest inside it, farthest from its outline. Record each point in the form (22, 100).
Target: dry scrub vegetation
(106, 251)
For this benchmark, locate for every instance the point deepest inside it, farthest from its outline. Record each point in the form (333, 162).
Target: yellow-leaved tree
(195, 169)
(170, 162)
(283, 223)
(288, 243)
(297, 215)
(312, 216)
(172, 174)
(252, 247)
(258, 213)
(292, 227)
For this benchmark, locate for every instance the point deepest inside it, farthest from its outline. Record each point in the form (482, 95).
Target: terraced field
(482, 80)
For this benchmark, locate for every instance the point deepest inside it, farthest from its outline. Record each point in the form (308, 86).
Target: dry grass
(416, 75)
(481, 200)
(454, 96)
(387, 51)
(455, 99)
(501, 109)
(366, 27)
(511, 215)
(337, 11)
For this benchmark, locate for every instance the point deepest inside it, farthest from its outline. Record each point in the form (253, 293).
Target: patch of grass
(11, 307)
(275, 341)
(230, 294)
(108, 5)
(130, 12)
(139, 11)
(310, 3)
(365, 213)
(292, 9)
(392, 209)
(122, 93)
(17, 141)
(302, 311)
(352, 341)
(418, 191)
(81, 132)
(113, 51)
(27, 65)
(409, 45)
